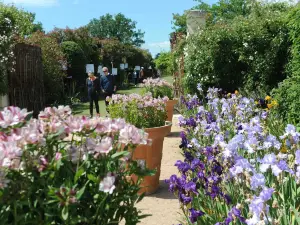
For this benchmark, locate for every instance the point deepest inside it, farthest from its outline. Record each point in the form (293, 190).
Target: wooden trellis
(179, 74)
(26, 83)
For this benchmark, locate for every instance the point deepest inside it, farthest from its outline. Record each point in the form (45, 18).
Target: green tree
(89, 45)
(76, 60)
(23, 20)
(164, 63)
(179, 23)
(118, 27)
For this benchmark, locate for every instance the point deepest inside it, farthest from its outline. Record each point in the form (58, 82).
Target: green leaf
(140, 198)
(80, 192)
(28, 117)
(144, 216)
(297, 215)
(91, 177)
(65, 213)
(78, 174)
(120, 154)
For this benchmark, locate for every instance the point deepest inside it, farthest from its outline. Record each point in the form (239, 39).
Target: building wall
(196, 20)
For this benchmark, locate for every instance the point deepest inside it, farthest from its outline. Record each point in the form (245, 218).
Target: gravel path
(162, 205)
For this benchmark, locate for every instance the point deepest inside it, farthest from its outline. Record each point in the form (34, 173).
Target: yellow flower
(274, 103)
(267, 98)
(283, 148)
(229, 94)
(269, 106)
(256, 102)
(236, 92)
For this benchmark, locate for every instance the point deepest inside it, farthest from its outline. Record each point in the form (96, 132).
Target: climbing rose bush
(241, 166)
(62, 169)
(158, 88)
(141, 111)
(7, 33)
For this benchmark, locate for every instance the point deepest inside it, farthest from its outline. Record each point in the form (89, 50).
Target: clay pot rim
(167, 124)
(175, 100)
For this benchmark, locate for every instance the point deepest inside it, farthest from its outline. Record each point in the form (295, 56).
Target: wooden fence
(26, 84)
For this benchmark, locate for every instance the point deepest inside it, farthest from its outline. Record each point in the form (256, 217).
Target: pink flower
(61, 112)
(131, 134)
(11, 116)
(58, 156)
(107, 184)
(43, 163)
(105, 146)
(9, 152)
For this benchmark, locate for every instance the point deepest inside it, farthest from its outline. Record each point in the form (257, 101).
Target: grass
(84, 108)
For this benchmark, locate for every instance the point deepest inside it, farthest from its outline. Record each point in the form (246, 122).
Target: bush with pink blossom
(62, 169)
(158, 88)
(141, 111)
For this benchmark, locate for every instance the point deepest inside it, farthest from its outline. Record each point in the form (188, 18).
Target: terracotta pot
(152, 155)
(170, 108)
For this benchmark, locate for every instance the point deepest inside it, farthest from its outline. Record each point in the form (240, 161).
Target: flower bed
(241, 165)
(141, 111)
(158, 88)
(161, 88)
(61, 169)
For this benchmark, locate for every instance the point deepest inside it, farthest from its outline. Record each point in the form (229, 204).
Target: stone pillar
(196, 20)
(4, 101)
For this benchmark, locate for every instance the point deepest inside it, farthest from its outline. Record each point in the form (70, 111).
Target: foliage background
(247, 52)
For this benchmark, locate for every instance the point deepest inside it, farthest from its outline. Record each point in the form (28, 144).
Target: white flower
(107, 184)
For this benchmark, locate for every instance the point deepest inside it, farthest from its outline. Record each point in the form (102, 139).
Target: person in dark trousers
(135, 77)
(93, 85)
(107, 83)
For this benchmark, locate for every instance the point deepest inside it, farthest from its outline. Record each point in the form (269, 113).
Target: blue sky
(152, 16)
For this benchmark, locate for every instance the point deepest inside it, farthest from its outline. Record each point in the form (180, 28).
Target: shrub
(158, 88)
(288, 92)
(62, 169)
(246, 52)
(288, 97)
(7, 32)
(76, 61)
(141, 111)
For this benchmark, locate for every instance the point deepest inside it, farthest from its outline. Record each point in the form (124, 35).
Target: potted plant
(161, 88)
(61, 169)
(148, 113)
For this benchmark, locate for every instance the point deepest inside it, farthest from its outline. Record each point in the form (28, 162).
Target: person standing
(142, 73)
(107, 83)
(94, 89)
(135, 77)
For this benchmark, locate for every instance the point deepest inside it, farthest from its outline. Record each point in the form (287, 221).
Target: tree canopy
(116, 27)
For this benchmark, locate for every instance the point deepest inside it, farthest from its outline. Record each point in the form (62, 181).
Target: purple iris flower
(266, 194)
(227, 198)
(183, 167)
(188, 156)
(191, 187)
(184, 199)
(297, 159)
(196, 163)
(257, 180)
(195, 214)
